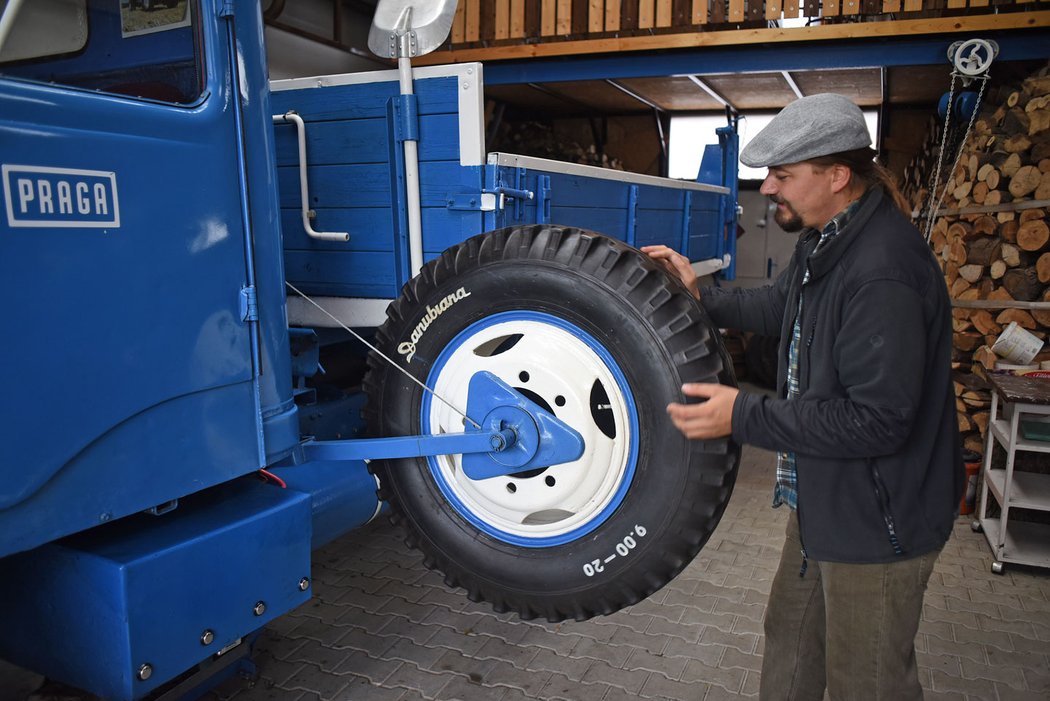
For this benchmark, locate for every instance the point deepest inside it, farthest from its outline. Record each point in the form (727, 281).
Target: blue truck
(186, 249)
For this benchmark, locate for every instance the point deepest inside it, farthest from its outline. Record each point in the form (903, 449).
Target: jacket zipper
(887, 517)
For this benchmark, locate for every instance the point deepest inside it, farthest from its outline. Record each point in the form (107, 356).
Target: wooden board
(459, 24)
(673, 94)
(517, 19)
(699, 11)
(548, 18)
(646, 14)
(862, 85)
(564, 23)
(473, 25)
(502, 28)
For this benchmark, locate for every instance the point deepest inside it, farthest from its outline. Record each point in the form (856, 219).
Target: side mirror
(408, 28)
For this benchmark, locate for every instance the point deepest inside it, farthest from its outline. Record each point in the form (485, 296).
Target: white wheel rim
(562, 502)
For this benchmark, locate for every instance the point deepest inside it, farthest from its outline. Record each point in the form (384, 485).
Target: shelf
(1028, 490)
(1026, 543)
(1001, 430)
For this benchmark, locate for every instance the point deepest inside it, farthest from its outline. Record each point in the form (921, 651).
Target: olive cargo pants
(844, 627)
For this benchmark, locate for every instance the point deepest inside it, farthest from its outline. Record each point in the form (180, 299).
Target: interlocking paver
(528, 681)
(601, 673)
(1007, 693)
(614, 655)
(517, 655)
(565, 689)
(658, 686)
(448, 638)
(981, 688)
(327, 686)
(539, 637)
(736, 658)
(326, 658)
(570, 666)
(965, 634)
(940, 646)
(731, 679)
(654, 643)
(669, 666)
(708, 654)
(408, 676)
(377, 670)
(745, 642)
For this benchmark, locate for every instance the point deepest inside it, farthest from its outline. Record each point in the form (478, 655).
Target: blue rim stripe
(621, 382)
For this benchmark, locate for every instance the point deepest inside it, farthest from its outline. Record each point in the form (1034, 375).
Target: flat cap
(812, 126)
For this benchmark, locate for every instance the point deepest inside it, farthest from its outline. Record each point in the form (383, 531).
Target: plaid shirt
(786, 491)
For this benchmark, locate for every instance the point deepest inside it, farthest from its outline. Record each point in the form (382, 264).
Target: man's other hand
(710, 419)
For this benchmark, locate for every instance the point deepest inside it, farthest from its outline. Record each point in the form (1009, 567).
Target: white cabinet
(1020, 411)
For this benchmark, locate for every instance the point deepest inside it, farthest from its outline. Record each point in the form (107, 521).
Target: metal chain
(940, 158)
(936, 204)
(382, 355)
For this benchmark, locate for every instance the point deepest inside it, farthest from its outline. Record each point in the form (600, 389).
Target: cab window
(147, 49)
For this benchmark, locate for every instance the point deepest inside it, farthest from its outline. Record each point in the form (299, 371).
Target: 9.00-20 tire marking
(622, 549)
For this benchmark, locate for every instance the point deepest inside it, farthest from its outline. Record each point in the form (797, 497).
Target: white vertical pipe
(415, 224)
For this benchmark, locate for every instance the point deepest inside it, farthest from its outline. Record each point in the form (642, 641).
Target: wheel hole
(550, 481)
(511, 487)
(523, 376)
(601, 410)
(498, 345)
(559, 400)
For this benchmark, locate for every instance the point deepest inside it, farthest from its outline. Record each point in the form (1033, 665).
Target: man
(864, 423)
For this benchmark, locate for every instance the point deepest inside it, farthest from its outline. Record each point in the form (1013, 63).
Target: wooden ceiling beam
(711, 91)
(733, 37)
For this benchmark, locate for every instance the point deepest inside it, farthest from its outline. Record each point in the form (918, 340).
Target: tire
(594, 330)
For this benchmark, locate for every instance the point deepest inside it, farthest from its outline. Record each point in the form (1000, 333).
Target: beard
(787, 218)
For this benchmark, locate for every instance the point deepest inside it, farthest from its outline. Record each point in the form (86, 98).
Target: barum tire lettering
(573, 320)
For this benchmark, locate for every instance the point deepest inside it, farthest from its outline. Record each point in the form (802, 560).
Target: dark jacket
(879, 467)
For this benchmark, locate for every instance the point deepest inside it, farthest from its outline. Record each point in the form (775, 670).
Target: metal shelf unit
(1020, 399)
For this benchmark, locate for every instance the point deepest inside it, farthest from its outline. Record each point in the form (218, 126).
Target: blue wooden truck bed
(354, 126)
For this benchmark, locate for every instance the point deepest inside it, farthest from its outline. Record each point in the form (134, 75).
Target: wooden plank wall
(551, 20)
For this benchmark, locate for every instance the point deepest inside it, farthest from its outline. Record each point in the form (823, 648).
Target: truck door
(127, 365)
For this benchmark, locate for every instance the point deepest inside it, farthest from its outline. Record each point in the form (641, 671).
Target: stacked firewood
(992, 235)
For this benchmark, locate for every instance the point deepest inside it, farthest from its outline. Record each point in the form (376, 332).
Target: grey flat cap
(816, 125)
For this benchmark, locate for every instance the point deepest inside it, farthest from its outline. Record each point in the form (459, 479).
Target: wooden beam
(791, 9)
(517, 19)
(664, 13)
(459, 27)
(773, 9)
(646, 14)
(473, 20)
(548, 17)
(503, 19)
(612, 15)
(736, 10)
(595, 16)
(699, 11)
(734, 37)
(564, 25)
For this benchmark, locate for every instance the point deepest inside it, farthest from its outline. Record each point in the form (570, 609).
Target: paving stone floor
(381, 627)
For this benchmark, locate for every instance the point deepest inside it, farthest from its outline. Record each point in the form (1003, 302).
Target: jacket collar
(829, 254)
